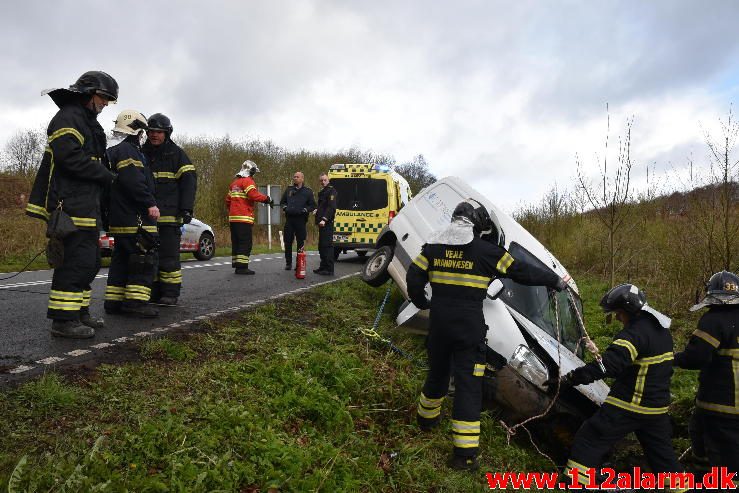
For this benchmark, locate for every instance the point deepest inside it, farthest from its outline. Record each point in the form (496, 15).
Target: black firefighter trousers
(71, 283)
(241, 241)
(168, 280)
(610, 424)
(294, 230)
(721, 439)
(130, 275)
(456, 342)
(326, 247)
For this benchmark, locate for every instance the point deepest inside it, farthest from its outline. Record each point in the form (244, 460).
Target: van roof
(369, 168)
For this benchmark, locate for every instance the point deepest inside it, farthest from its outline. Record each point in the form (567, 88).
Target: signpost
(267, 215)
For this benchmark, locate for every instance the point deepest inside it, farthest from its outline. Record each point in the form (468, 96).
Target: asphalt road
(209, 289)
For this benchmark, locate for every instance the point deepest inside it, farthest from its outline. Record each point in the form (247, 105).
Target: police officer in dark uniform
(176, 183)
(72, 177)
(460, 266)
(714, 350)
(325, 213)
(640, 359)
(297, 202)
(132, 221)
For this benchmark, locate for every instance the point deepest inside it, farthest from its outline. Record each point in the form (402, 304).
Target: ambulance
(369, 196)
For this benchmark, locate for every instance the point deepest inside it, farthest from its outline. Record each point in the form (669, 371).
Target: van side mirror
(495, 288)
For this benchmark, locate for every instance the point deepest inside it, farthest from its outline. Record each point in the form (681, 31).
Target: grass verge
(284, 397)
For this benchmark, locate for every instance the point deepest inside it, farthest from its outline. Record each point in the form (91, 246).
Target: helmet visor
(110, 98)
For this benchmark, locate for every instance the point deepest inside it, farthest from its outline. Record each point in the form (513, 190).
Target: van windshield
(360, 194)
(539, 305)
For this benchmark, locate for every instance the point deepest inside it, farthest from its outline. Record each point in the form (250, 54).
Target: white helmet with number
(130, 122)
(248, 168)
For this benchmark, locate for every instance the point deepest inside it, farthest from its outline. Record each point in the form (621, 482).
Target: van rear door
(361, 209)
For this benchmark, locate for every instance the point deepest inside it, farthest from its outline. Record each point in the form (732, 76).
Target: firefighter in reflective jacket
(714, 350)
(640, 359)
(72, 177)
(242, 194)
(132, 206)
(460, 266)
(176, 183)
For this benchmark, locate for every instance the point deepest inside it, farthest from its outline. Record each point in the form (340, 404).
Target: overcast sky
(502, 94)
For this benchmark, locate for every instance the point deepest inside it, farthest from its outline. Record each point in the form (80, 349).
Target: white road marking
(102, 345)
(50, 360)
(79, 352)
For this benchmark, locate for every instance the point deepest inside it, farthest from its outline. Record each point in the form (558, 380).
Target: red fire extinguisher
(300, 264)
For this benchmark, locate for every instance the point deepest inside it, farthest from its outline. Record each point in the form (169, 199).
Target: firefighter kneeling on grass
(640, 359)
(132, 221)
(460, 266)
(242, 193)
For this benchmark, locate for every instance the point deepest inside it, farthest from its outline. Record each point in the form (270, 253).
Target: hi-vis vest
(714, 348)
(463, 272)
(240, 200)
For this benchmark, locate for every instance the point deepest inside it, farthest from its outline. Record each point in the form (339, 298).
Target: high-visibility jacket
(640, 359)
(73, 172)
(132, 193)
(175, 178)
(714, 349)
(460, 274)
(242, 193)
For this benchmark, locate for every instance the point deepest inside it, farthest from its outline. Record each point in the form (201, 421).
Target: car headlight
(529, 366)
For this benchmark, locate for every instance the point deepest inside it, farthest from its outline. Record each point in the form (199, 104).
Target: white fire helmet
(248, 168)
(130, 122)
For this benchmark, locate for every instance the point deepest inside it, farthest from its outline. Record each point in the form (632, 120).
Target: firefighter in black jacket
(714, 350)
(460, 266)
(640, 359)
(72, 176)
(132, 206)
(176, 183)
(325, 213)
(297, 202)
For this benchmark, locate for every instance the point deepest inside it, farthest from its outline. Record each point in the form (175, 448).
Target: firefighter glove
(270, 202)
(565, 382)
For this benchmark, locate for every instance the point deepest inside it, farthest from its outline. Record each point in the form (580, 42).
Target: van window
(537, 303)
(360, 194)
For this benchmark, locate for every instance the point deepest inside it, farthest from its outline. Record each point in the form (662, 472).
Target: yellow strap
(504, 263)
(628, 345)
(67, 131)
(184, 169)
(707, 337)
(129, 162)
(635, 408)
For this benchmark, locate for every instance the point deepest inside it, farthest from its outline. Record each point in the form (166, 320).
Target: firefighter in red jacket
(240, 202)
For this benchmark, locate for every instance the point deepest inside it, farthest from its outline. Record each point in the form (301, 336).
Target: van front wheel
(374, 270)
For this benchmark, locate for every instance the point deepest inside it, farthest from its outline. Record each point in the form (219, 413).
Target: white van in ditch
(522, 320)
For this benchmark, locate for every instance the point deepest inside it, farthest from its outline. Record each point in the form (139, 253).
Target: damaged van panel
(536, 330)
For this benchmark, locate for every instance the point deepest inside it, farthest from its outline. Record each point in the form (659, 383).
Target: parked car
(521, 319)
(197, 237)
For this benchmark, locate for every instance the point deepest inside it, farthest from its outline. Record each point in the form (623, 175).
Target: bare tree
(723, 187)
(417, 173)
(23, 152)
(610, 198)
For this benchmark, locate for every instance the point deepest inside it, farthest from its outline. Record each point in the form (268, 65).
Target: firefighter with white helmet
(240, 199)
(132, 220)
(71, 178)
(714, 350)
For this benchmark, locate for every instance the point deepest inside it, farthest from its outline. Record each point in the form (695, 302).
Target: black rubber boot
(244, 271)
(288, 267)
(95, 323)
(461, 463)
(427, 424)
(139, 309)
(71, 329)
(168, 300)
